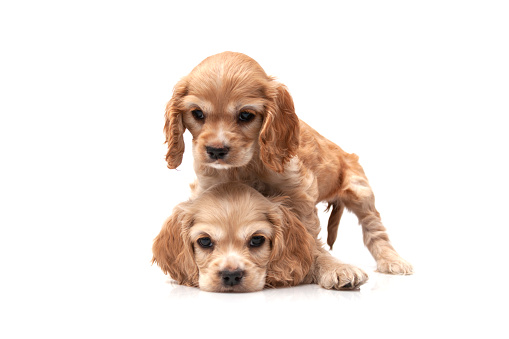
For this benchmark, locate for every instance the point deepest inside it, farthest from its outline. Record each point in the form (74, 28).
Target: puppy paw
(394, 265)
(342, 277)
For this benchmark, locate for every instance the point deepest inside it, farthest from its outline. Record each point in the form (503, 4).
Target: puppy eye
(198, 114)
(205, 242)
(246, 116)
(257, 241)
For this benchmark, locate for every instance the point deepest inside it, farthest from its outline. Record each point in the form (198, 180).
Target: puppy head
(234, 112)
(232, 239)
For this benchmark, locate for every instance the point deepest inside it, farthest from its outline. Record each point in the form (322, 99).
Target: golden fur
(274, 152)
(230, 215)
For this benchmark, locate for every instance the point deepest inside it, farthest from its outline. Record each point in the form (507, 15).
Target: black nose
(217, 153)
(231, 278)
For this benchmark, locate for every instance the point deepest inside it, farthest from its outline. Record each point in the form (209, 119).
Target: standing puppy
(245, 129)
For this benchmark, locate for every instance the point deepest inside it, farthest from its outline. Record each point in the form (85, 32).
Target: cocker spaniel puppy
(245, 129)
(231, 238)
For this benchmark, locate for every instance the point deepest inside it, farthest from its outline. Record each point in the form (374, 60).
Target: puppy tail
(335, 217)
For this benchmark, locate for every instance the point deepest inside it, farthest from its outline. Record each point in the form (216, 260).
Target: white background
(419, 90)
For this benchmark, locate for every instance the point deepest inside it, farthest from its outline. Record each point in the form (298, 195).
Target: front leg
(330, 273)
(301, 187)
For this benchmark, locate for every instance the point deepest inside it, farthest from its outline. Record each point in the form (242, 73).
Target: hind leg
(357, 196)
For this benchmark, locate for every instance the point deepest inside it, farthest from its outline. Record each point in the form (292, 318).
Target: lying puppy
(245, 129)
(231, 238)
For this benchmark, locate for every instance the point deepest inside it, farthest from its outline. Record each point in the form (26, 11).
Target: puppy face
(232, 247)
(225, 134)
(232, 239)
(234, 112)
(223, 110)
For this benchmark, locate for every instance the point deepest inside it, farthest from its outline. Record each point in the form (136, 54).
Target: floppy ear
(292, 249)
(174, 126)
(173, 251)
(279, 136)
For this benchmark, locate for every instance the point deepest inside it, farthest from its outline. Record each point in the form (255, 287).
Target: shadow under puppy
(231, 238)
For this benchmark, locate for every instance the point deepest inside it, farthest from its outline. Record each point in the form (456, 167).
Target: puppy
(231, 238)
(245, 129)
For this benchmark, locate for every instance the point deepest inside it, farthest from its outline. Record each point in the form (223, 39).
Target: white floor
(103, 286)
(440, 300)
